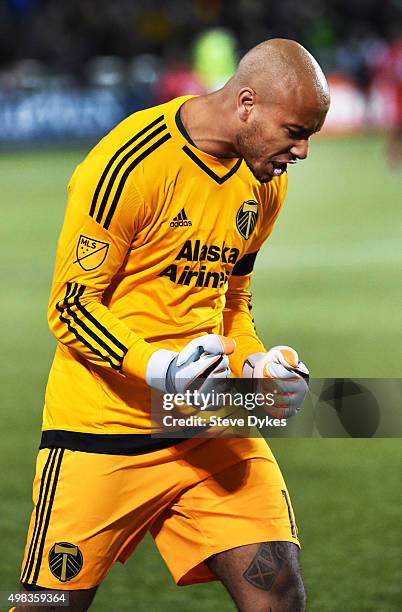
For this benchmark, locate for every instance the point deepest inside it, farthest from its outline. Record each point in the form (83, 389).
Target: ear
(245, 102)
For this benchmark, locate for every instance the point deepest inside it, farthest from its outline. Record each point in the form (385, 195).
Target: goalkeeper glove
(290, 376)
(198, 365)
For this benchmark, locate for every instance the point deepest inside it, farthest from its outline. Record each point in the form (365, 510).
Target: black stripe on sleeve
(88, 344)
(71, 290)
(90, 332)
(113, 159)
(119, 166)
(97, 324)
(126, 174)
(60, 453)
(73, 330)
(40, 512)
(245, 265)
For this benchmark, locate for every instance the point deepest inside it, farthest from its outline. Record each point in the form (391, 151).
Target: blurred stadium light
(106, 71)
(215, 57)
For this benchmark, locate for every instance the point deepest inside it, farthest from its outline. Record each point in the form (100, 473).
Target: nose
(300, 149)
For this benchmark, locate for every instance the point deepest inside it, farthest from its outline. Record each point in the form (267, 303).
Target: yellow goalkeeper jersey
(157, 248)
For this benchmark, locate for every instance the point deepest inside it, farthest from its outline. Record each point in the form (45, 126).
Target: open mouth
(278, 168)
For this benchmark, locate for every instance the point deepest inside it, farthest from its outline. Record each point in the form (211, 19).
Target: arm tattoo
(266, 565)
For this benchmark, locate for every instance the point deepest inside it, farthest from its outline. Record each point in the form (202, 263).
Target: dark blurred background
(101, 61)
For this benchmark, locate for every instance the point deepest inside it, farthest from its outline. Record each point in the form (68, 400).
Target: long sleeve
(237, 317)
(97, 232)
(238, 321)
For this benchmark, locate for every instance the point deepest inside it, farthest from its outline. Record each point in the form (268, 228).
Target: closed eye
(298, 134)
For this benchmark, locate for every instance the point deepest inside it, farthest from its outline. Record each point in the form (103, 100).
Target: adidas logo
(181, 220)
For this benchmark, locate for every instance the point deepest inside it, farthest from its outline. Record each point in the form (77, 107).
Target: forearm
(239, 323)
(79, 320)
(239, 326)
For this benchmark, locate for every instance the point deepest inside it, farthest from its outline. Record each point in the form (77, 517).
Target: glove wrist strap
(157, 369)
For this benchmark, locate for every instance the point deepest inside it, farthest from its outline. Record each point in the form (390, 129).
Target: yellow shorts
(198, 498)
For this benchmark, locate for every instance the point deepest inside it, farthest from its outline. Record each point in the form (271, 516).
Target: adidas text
(180, 223)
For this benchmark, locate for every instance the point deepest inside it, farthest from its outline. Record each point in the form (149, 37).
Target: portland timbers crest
(65, 561)
(246, 218)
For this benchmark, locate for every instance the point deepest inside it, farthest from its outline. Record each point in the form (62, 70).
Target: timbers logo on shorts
(65, 561)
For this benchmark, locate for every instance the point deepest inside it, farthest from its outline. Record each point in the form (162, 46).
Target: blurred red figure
(177, 80)
(390, 73)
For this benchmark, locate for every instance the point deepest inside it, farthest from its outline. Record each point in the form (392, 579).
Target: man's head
(282, 98)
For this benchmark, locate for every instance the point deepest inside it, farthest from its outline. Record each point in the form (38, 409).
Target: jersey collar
(218, 169)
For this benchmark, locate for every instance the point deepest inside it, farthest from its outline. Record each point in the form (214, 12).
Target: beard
(246, 144)
(262, 179)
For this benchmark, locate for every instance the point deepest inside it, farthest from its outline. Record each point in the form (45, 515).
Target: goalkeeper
(164, 221)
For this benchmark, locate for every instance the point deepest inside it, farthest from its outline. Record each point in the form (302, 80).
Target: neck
(207, 120)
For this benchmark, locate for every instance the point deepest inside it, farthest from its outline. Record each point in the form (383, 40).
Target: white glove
(280, 364)
(199, 365)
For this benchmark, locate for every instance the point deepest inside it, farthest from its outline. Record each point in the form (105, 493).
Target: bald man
(164, 221)
(266, 113)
